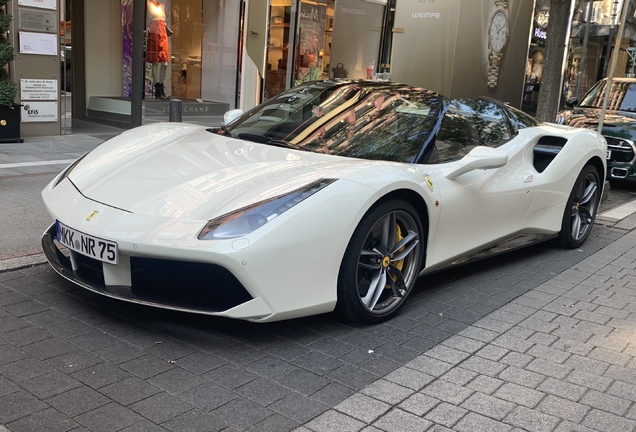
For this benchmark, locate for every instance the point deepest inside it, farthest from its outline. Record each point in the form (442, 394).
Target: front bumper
(286, 269)
(176, 285)
(621, 172)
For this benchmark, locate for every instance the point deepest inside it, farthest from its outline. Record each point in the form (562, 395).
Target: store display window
(192, 49)
(325, 39)
(279, 62)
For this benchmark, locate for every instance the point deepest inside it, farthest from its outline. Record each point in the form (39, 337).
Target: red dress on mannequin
(157, 47)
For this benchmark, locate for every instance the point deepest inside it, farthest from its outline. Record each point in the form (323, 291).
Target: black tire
(384, 252)
(580, 210)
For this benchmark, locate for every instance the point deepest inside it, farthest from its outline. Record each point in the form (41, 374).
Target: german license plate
(608, 155)
(88, 245)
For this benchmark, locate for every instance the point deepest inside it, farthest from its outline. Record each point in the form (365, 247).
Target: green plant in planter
(8, 88)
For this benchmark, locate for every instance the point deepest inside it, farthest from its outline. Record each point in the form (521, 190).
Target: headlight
(248, 219)
(560, 118)
(61, 176)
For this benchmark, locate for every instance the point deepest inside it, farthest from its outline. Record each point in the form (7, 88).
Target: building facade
(126, 62)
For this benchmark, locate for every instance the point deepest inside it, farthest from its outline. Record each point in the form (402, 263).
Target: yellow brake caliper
(397, 264)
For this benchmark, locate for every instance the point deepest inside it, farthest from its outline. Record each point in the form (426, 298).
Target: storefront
(125, 61)
(453, 47)
(193, 52)
(320, 39)
(184, 49)
(592, 39)
(536, 56)
(463, 48)
(593, 36)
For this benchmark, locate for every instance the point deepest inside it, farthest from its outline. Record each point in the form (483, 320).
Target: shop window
(192, 49)
(278, 42)
(327, 39)
(353, 37)
(313, 41)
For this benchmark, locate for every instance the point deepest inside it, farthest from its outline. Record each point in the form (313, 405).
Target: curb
(20, 263)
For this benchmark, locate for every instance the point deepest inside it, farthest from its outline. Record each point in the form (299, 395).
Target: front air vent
(545, 150)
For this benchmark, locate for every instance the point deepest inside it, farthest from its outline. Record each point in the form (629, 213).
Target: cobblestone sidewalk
(558, 358)
(542, 333)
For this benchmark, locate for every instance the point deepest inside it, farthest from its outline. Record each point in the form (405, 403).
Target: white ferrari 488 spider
(332, 195)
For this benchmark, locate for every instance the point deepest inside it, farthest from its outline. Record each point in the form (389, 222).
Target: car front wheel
(381, 263)
(581, 208)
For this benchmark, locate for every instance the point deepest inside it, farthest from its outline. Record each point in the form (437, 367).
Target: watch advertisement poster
(465, 48)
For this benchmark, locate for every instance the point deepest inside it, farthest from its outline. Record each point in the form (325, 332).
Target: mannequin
(157, 47)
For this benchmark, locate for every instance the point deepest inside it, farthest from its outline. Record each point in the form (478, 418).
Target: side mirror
(571, 103)
(480, 157)
(231, 115)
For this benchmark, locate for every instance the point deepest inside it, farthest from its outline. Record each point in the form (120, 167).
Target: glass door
(279, 40)
(66, 70)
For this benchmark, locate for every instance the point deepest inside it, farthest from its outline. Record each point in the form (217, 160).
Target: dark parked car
(619, 125)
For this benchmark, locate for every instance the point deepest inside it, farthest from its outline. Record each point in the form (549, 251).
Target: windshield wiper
(266, 140)
(221, 130)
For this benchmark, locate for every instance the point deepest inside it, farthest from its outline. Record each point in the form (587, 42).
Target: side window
(490, 124)
(522, 120)
(594, 97)
(469, 123)
(629, 101)
(456, 137)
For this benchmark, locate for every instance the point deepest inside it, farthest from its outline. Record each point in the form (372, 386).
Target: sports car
(334, 195)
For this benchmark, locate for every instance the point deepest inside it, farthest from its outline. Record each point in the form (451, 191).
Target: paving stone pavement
(538, 339)
(560, 357)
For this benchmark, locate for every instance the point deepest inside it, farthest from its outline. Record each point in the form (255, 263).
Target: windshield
(622, 96)
(368, 121)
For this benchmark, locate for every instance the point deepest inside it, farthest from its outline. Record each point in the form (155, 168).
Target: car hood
(614, 122)
(169, 170)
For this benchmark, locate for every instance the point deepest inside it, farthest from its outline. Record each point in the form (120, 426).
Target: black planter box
(10, 124)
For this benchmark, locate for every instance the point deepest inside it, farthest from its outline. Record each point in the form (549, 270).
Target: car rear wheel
(581, 208)
(381, 263)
